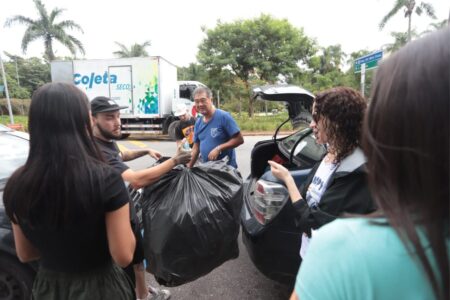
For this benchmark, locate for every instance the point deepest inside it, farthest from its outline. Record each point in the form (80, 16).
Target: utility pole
(17, 72)
(11, 117)
(218, 98)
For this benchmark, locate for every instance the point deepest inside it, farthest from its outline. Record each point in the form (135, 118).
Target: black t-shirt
(111, 154)
(185, 129)
(81, 246)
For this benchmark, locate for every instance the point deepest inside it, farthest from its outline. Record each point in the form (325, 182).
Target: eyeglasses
(200, 100)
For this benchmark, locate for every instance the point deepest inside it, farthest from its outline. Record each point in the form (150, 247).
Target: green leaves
(136, 50)
(45, 28)
(261, 48)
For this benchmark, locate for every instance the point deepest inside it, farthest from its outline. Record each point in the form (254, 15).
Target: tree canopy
(262, 48)
(409, 7)
(135, 50)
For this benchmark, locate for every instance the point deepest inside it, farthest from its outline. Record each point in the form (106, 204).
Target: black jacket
(347, 192)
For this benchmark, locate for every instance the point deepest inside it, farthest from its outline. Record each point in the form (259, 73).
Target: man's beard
(107, 134)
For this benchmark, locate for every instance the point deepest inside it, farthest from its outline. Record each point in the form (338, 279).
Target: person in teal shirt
(402, 251)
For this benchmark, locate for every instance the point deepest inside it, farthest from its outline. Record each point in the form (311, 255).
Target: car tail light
(268, 200)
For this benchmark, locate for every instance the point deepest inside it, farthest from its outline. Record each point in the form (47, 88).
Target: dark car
(16, 278)
(268, 228)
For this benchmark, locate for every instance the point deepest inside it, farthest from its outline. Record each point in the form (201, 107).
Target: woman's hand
(279, 171)
(283, 174)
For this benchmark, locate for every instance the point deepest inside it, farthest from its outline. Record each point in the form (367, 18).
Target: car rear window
(307, 151)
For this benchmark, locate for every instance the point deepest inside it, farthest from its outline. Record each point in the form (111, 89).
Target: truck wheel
(16, 279)
(172, 128)
(166, 124)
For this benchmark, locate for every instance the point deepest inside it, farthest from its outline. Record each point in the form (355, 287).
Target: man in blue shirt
(216, 134)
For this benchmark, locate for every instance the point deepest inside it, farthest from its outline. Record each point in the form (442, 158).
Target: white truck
(146, 85)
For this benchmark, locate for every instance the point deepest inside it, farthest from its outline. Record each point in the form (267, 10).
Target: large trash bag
(191, 221)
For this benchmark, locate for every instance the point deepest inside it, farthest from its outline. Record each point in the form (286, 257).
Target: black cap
(104, 104)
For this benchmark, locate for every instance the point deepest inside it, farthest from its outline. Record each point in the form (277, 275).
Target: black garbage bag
(191, 221)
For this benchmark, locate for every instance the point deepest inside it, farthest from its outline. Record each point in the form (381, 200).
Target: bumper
(274, 251)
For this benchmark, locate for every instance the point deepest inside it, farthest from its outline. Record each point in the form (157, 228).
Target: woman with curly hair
(337, 184)
(402, 251)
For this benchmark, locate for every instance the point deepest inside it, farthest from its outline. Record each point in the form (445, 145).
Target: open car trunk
(299, 104)
(298, 100)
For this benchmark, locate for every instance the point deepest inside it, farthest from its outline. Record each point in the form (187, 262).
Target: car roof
(6, 130)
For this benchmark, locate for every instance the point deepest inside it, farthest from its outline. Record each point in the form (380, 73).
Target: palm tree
(136, 50)
(46, 28)
(409, 7)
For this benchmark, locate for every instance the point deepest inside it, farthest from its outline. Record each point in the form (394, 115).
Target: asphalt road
(235, 279)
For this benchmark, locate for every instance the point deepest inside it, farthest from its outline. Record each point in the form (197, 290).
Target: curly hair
(342, 110)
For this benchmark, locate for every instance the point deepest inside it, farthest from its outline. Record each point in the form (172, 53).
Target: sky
(175, 27)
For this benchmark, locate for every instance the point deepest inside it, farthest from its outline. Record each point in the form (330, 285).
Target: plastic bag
(191, 221)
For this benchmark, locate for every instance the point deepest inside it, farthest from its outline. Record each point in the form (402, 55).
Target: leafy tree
(409, 7)
(400, 39)
(261, 48)
(45, 28)
(192, 72)
(32, 73)
(136, 50)
(353, 79)
(329, 59)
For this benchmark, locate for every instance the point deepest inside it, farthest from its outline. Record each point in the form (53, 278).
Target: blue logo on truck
(90, 80)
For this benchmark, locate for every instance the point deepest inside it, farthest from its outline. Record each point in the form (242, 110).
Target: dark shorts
(107, 282)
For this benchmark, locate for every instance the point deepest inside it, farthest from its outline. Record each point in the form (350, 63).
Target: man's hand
(155, 154)
(214, 154)
(182, 157)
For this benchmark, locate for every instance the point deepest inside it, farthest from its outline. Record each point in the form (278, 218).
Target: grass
(18, 119)
(262, 122)
(255, 124)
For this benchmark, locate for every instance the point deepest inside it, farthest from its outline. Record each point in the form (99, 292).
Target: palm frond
(120, 54)
(55, 13)
(70, 25)
(77, 43)
(30, 35)
(42, 12)
(397, 6)
(428, 8)
(68, 41)
(19, 19)
(418, 10)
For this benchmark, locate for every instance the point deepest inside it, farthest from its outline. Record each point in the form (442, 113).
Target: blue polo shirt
(218, 130)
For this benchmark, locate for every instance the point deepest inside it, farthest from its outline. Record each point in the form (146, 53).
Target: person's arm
(235, 141)
(121, 240)
(195, 152)
(294, 296)
(145, 177)
(26, 251)
(133, 154)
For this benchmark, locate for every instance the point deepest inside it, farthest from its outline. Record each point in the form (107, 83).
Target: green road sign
(370, 60)
(370, 65)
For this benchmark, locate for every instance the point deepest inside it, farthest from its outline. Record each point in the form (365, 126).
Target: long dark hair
(63, 165)
(343, 110)
(406, 140)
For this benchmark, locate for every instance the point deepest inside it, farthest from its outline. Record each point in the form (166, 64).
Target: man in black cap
(106, 128)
